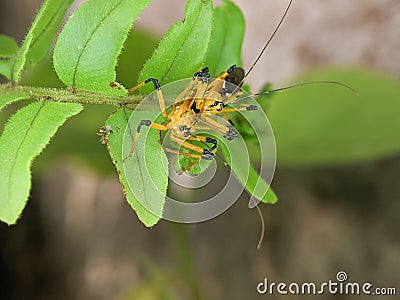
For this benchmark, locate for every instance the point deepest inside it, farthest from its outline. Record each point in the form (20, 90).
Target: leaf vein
(90, 38)
(48, 24)
(181, 46)
(42, 103)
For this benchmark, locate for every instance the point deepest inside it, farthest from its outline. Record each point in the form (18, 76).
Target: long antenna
(303, 84)
(268, 42)
(354, 91)
(262, 233)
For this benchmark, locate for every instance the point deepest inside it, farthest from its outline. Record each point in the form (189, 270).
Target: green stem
(65, 95)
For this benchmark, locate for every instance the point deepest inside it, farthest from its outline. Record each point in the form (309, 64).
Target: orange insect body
(202, 98)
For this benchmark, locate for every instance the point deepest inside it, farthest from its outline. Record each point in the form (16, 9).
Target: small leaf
(87, 49)
(328, 125)
(142, 176)
(6, 99)
(226, 39)
(40, 37)
(248, 176)
(8, 47)
(26, 134)
(183, 48)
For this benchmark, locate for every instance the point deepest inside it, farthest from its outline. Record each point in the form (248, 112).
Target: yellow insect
(204, 97)
(201, 99)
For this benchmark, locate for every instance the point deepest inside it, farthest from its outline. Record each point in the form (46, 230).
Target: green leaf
(248, 176)
(138, 48)
(26, 134)
(5, 67)
(144, 180)
(328, 125)
(78, 140)
(8, 47)
(226, 40)
(183, 48)
(87, 49)
(39, 39)
(259, 189)
(7, 99)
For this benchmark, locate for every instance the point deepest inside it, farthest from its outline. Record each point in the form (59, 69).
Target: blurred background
(337, 175)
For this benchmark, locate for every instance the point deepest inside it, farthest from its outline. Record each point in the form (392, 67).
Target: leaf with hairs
(143, 178)
(183, 48)
(87, 49)
(25, 135)
(226, 39)
(39, 39)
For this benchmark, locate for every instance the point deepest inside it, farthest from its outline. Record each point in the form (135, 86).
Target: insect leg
(145, 123)
(206, 154)
(190, 91)
(201, 80)
(157, 88)
(226, 116)
(196, 156)
(229, 131)
(182, 153)
(205, 139)
(225, 73)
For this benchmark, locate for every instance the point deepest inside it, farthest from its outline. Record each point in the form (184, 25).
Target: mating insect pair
(204, 97)
(193, 108)
(192, 113)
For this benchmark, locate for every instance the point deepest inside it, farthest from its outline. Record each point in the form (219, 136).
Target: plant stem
(65, 95)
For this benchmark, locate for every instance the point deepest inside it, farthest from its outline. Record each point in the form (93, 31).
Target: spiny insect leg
(157, 88)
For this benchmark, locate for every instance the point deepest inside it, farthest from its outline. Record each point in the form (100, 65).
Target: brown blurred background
(79, 239)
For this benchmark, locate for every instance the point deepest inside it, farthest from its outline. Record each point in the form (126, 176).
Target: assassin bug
(203, 98)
